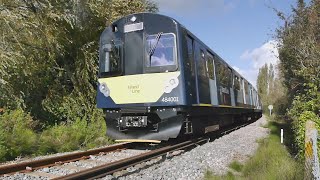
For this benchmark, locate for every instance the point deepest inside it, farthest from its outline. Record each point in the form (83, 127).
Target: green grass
(210, 176)
(271, 161)
(235, 165)
(19, 137)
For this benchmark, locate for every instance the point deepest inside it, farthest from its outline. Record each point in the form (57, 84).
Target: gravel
(215, 156)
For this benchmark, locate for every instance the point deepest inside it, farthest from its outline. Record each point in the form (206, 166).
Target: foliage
(19, 138)
(48, 67)
(299, 53)
(301, 112)
(17, 135)
(49, 54)
(72, 136)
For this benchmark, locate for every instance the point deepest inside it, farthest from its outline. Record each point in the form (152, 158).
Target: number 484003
(170, 99)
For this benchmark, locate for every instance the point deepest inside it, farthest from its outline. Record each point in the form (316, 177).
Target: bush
(304, 108)
(17, 135)
(3, 148)
(19, 138)
(73, 135)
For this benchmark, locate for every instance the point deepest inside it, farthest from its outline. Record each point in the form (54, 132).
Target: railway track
(106, 168)
(101, 171)
(52, 161)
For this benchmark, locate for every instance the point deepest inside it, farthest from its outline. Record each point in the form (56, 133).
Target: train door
(232, 94)
(254, 98)
(224, 75)
(212, 79)
(247, 93)
(243, 92)
(202, 79)
(190, 68)
(251, 94)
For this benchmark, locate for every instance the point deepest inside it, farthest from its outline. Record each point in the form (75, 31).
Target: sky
(242, 32)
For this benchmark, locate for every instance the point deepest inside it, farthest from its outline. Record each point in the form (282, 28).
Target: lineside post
(311, 153)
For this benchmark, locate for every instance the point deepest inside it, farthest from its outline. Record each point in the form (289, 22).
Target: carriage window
(202, 64)
(236, 83)
(246, 86)
(161, 49)
(229, 76)
(224, 74)
(190, 51)
(210, 69)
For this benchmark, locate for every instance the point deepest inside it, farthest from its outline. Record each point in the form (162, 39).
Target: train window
(229, 76)
(190, 51)
(110, 58)
(246, 86)
(161, 49)
(209, 64)
(236, 82)
(241, 84)
(222, 73)
(202, 64)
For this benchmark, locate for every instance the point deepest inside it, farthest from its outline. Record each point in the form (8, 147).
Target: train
(157, 81)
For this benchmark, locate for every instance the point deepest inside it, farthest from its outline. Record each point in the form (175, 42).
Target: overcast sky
(240, 31)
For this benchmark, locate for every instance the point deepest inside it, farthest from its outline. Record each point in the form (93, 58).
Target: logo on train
(134, 89)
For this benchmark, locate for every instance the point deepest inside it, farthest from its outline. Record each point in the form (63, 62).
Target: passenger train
(158, 81)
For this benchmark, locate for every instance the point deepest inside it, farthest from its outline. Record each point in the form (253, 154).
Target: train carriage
(159, 81)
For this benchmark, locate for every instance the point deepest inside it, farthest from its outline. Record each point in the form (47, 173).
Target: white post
(281, 136)
(270, 107)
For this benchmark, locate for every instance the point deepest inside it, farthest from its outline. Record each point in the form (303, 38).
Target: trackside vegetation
(48, 73)
(293, 85)
(272, 159)
(18, 136)
(299, 66)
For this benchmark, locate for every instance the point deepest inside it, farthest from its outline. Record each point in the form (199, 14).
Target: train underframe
(163, 123)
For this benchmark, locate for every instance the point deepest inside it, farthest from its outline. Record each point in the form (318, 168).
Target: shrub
(3, 149)
(304, 108)
(17, 135)
(73, 135)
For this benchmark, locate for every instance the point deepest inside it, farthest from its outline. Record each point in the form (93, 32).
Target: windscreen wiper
(152, 50)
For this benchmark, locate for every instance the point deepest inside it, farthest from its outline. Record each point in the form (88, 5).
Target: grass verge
(19, 138)
(271, 161)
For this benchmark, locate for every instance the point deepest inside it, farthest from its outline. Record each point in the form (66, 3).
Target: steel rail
(31, 165)
(103, 170)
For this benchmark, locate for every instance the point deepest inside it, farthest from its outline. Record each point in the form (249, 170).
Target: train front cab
(141, 85)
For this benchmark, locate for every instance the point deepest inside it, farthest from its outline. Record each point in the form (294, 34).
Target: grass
(19, 137)
(271, 161)
(235, 165)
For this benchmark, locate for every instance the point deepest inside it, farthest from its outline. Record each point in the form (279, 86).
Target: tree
(270, 89)
(49, 54)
